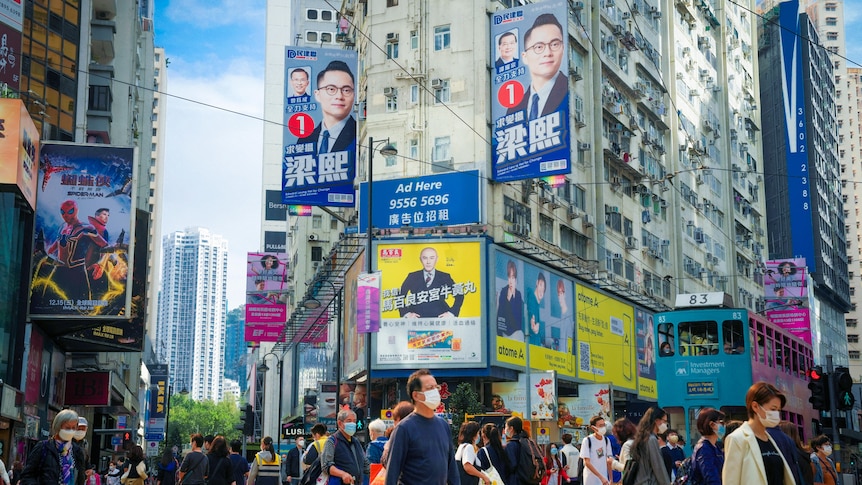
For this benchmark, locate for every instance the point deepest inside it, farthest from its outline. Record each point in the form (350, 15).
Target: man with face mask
(421, 448)
(597, 453)
(343, 456)
(674, 451)
(294, 473)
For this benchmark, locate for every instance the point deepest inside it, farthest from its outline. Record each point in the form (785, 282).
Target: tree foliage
(205, 417)
(465, 400)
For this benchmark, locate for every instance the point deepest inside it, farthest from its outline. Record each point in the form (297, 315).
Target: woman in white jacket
(750, 454)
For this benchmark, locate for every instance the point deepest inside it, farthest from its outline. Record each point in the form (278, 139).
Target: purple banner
(264, 331)
(785, 278)
(791, 316)
(368, 303)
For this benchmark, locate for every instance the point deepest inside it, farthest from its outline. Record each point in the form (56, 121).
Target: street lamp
(262, 367)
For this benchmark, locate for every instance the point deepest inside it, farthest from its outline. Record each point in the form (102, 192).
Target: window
(326, 15)
(414, 149)
(441, 157)
(392, 100)
(831, 35)
(414, 39)
(391, 160)
(311, 14)
(731, 332)
(665, 340)
(333, 223)
(100, 98)
(325, 37)
(698, 338)
(316, 253)
(391, 3)
(441, 91)
(391, 50)
(414, 93)
(854, 354)
(316, 221)
(546, 228)
(442, 37)
(831, 21)
(311, 36)
(852, 339)
(831, 7)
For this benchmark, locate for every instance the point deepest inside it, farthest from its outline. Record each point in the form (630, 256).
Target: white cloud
(216, 13)
(212, 174)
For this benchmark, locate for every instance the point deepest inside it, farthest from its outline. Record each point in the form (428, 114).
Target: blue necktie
(534, 108)
(324, 143)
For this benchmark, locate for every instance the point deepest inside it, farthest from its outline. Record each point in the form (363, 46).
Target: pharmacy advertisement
(431, 303)
(82, 261)
(530, 91)
(528, 297)
(606, 349)
(319, 157)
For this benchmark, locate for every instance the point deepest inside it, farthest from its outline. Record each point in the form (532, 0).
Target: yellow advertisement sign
(606, 350)
(19, 147)
(431, 302)
(531, 299)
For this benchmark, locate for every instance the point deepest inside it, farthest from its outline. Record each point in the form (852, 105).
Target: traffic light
(819, 385)
(844, 399)
(248, 421)
(128, 442)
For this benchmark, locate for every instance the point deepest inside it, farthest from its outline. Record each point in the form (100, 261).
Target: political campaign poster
(431, 303)
(82, 260)
(530, 91)
(319, 158)
(19, 149)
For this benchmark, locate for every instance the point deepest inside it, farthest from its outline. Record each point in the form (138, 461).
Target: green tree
(205, 417)
(465, 400)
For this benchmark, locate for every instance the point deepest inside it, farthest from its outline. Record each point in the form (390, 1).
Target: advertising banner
(447, 199)
(158, 410)
(791, 314)
(528, 297)
(368, 303)
(431, 304)
(646, 343)
(88, 389)
(530, 91)
(785, 278)
(12, 13)
(274, 242)
(592, 400)
(275, 209)
(266, 296)
(606, 348)
(793, 89)
(299, 210)
(319, 162)
(10, 54)
(354, 343)
(543, 396)
(267, 273)
(19, 148)
(84, 219)
(327, 404)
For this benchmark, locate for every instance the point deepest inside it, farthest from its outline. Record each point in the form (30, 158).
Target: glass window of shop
(16, 226)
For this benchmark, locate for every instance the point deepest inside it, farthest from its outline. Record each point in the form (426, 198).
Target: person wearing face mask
(597, 454)
(821, 464)
(266, 467)
(707, 459)
(465, 457)
(114, 474)
(420, 448)
(56, 461)
(645, 448)
(294, 473)
(555, 473)
(674, 451)
(750, 453)
(343, 456)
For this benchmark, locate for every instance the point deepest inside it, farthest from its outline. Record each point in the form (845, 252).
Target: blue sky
(212, 174)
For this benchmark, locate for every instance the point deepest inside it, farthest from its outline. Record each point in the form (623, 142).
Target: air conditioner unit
(631, 242)
(573, 213)
(588, 220)
(313, 237)
(392, 37)
(389, 92)
(615, 209)
(575, 72)
(627, 15)
(437, 83)
(315, 265)
(584, 146)
(577, 5)
(650, 292)
(618, 256)
(554, 203)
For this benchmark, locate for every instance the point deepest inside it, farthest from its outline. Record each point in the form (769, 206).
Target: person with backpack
(167, 469)
(524, 454)
(343, 456)
(266, 467)
(706, 459)
(597, 454)
(645, 450)
(195, 467)
(311, 459)
(465, 457)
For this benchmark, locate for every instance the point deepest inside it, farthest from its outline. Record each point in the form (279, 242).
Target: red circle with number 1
(510, 94)
(300, 125)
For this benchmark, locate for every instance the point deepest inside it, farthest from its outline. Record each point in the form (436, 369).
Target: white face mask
(827, 450)
(67, 434)
(300, 443)
(80, 434)
(662, 428)
(432, 398)
(601, 430)
(771, 420)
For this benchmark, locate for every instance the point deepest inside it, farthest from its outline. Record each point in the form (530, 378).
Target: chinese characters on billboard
(266, 296)
(84, 216)
(431, 305)
(319, 159)
(785, 285)
(530, 91)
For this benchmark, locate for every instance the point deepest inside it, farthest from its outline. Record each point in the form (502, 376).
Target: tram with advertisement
(710, 353)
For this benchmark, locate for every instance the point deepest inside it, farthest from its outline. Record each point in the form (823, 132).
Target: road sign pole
(833, 412)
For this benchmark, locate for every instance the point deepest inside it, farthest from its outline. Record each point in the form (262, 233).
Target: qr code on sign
(585, 357)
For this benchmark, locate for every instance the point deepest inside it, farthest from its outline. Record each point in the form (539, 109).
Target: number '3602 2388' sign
(440, 200)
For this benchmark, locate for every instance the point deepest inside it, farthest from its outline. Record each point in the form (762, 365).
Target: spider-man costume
(76, 250)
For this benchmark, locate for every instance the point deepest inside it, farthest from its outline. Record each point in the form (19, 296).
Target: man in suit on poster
(335, 93)
(543, 55)
(425, 280)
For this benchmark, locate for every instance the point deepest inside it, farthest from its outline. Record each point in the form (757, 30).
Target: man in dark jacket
(292, 469)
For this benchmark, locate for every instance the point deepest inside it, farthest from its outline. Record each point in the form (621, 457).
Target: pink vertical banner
(368, 303)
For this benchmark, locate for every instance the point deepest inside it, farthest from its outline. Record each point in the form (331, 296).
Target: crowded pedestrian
(750, 454)
(821, 463)
(493, 453)
(399, 412)
(17, 468)
(674, 451)
(221, 468)
(554, 466)
(377, 430)
(195, 466)
(421, 449)
(516, 437)
(136, 471)
(55, 460)
(597, 454)
(624, 430)
(343, 455)
(4, 474)
(465, 456)
(572, 453)
(707, 459)
(319, 434)
(238, 463)
(114, 474)
(645, 448)
(266, 467)
(167, 469)
(293, 471)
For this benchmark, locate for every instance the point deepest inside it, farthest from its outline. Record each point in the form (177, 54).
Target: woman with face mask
(554, 472)
(821, 464)
(645, 450)
(465, 456)
(707, 459)
(57, 460)
(750, 453)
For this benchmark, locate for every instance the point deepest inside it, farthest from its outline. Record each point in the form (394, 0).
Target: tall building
(191, 326)
(235, 355)
(805, 210)
(153, 173)
(851, 170)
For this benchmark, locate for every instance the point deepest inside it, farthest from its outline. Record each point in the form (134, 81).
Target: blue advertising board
(319, 156)
(798, 177)
(530, 89)
(447, 199)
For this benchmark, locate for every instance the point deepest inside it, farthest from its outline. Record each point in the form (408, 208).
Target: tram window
(676, 420)
(698, 338)
(731, 332)
(665, 339)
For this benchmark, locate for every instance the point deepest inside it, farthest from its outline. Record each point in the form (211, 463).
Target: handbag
(630, 471)
(492, 472)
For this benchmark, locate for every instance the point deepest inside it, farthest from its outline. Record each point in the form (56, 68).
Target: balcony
(102, 41)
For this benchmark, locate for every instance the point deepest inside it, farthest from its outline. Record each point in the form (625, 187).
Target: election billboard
(19, 149)
(266, 296)
(431, 303)
(530, 298)
(530, 91)
(606, 342)
(447, 199)
(319, 156)
(84, 221)
(646, 349)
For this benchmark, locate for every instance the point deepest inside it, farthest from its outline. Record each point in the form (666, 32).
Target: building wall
(850, 170)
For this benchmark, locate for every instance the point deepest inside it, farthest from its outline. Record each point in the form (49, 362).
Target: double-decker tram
(710, 353)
